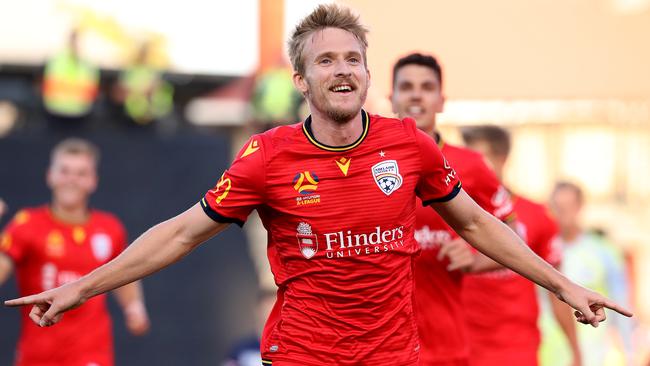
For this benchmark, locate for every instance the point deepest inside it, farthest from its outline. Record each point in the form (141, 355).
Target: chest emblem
(307, 241)
(387, 177)
(102, 246)
(343, 164)
(54, 244)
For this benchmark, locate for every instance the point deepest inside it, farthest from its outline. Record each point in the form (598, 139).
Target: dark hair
(421, 60)
(572, 187)
(498, 138)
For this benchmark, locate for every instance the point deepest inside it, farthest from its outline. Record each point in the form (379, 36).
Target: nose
(415, 94)
(342, 70)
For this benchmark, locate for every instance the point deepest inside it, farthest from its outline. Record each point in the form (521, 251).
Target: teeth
(415, 109)
(342, 88)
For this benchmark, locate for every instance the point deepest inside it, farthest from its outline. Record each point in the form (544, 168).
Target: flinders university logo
(387, 176)
(307, 241)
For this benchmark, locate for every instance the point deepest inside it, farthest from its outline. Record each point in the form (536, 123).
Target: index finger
(617, 308)
(27, 300)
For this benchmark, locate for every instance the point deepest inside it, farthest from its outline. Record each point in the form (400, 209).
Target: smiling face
(72, 179)
(417, 93)
(336, 79)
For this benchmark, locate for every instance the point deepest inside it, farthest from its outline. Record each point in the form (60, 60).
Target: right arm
(159, 247)
(6, 267)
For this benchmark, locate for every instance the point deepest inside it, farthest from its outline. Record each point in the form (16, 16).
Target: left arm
(131, 301)
(497, 241)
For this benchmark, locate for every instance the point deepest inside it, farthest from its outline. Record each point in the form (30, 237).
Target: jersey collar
(365, 121)
(438, 137)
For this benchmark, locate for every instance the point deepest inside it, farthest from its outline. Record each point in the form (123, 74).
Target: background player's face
(336, 79)
(493, 160)
(566, 208)
(72, 179)
(417, 94)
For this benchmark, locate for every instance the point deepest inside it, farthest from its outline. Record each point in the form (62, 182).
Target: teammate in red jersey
(501, 303)
(417, 93)
(56, 244)
(337, 194)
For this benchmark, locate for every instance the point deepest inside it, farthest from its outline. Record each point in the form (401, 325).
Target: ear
(392, 102)
(442, 102)
(300, 83)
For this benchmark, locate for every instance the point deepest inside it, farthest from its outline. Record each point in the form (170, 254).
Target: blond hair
(324, 16)
(75, 146)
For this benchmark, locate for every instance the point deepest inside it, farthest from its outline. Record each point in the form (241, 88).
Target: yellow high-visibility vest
(70, 85)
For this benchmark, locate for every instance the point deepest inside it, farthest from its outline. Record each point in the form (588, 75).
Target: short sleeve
(485, 188)
(438, 180)
(241, 188)
(14, 240)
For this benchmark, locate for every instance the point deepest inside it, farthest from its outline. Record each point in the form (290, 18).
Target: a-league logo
(387, 176)
(307, 241)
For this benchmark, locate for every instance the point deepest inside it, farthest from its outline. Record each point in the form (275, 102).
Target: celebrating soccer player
(501, 303)
(417, 93)
(57, 244)
(337, 194)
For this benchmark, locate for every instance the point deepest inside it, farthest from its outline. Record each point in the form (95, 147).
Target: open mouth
(415, 110)
(342, 88)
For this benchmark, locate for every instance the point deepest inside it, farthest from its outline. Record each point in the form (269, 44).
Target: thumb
(588, 316)
(51, 316)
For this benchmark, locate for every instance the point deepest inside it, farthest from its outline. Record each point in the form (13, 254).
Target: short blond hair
(75, 146)
(325, 16)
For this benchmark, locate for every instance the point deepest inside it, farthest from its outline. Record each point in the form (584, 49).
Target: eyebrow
(332, 54)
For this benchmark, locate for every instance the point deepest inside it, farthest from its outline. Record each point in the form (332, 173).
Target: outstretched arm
(158, 247)
(6, 267)
(497, 241)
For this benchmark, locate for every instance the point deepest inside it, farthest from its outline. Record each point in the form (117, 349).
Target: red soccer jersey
(340, 230)
(501, 306)
(48, 253)
(439, 307)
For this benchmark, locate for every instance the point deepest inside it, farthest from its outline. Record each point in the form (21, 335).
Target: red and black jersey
(340, 226)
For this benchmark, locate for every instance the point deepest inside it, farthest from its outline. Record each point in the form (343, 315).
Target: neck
(570, 234)
(333, 133)
(73, 215)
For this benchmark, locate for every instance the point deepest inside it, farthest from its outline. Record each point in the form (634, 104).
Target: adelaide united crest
(307, 241)
(387, 177)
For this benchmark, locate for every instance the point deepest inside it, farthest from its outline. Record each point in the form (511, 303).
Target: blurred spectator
(70, 83)
(246, 352)
(275, 100)
(145, 95)
(591, 260)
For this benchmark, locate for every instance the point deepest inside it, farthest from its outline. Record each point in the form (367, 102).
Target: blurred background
(170, 90)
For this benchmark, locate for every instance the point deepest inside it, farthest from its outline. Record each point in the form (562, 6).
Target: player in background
(590, 259)
(58, 243)
(337, 194)
(499, 304)
(418, 93)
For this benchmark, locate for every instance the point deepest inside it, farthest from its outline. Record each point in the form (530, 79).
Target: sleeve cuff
(214, 215)
(446, 198)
